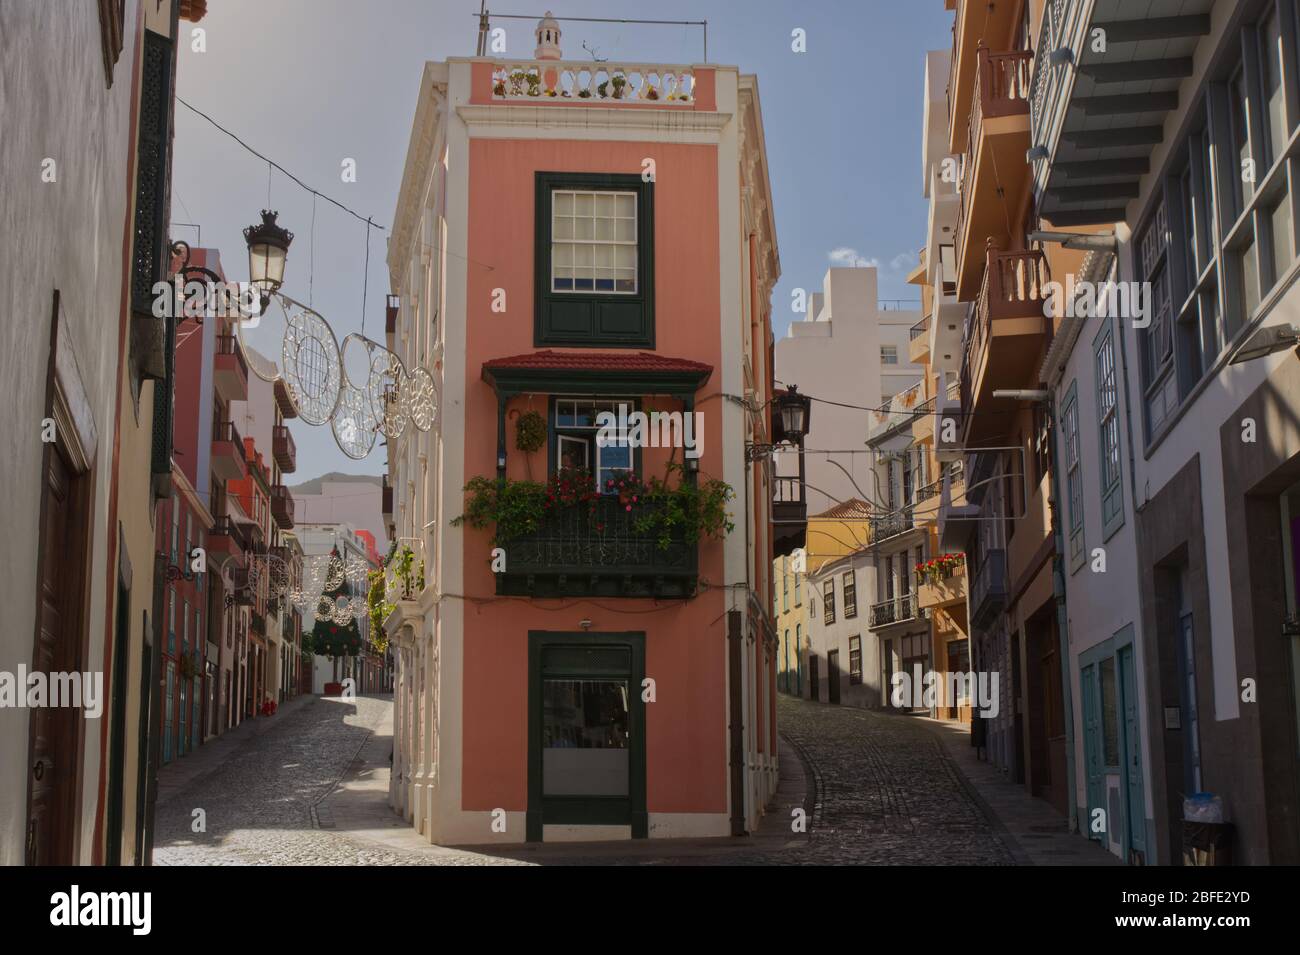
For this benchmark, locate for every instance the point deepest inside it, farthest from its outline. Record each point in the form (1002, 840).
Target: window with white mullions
(593, 241)
(580, 444)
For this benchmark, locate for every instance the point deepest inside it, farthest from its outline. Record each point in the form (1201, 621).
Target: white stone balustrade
(584, 82)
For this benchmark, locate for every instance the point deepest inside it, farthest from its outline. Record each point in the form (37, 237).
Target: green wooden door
(1134, 798)
(586, 763)
(1092, 747)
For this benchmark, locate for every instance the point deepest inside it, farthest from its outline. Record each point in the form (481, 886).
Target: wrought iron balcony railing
(598, 552)
(891, 525)
(898, 609)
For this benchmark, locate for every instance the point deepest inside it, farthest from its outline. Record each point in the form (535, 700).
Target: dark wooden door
(814, 683)
(53, 766)
(833, 676)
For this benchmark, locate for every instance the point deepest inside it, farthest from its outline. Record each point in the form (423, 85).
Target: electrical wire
(273, 164)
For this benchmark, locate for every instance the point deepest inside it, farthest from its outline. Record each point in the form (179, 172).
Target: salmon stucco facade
(589, 653)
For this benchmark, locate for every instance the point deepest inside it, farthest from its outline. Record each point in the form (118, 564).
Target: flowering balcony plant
(937, 568)
(658, 508)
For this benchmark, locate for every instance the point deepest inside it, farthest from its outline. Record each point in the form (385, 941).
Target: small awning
(605, 373)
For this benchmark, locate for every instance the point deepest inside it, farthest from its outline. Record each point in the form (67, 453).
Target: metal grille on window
(151, 171)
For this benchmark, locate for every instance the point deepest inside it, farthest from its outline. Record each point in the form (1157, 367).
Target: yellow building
(831, 535)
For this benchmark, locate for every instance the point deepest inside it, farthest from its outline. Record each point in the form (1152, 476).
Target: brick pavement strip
(886, 794)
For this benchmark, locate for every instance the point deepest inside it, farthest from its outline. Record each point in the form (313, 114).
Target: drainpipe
(736, 729)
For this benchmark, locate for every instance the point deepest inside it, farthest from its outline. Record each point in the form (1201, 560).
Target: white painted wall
(834, 354)
(65, 235)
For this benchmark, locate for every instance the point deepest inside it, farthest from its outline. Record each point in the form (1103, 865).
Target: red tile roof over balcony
(599, 361)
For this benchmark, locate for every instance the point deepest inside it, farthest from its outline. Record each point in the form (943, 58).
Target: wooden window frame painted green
(1075, 523)
(554, 431)
(1110, 485)
(553, 310)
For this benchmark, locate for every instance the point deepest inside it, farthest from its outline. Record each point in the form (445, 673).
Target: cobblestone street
(308, 788)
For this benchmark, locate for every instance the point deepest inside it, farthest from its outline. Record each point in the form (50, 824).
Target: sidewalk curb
(813, 787)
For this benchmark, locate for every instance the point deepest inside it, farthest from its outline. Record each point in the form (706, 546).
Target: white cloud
(850, 258)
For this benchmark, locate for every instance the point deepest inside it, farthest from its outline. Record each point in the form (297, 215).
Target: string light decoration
(312, 368)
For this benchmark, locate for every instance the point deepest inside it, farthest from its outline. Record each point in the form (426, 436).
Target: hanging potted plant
(530, 432)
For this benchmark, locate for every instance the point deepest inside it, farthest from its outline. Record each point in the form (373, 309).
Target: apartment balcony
(891, 612)
(282, 507)
(1096, 119)
(257, 623)
(577, 552)
(948, 319)
(888, 526)
(1005, 335)
(988, 590)
(976, 23)
(228, 462)
(923, 423)
(586, 84)
(225, 543)
(942, 591)
(789, 516)
(995, 171)
(918, 344)
(284, 399)
(230, 370)
(283, 449)
(948, 421)
(392, 308)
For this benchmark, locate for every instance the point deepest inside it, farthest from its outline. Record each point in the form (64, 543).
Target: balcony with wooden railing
(995, 171)
(227, 461)
(284, 399)
(282, 506)
(230, 369)
(789, 515)
(225, 542)
(1005, 334)
(283, 449)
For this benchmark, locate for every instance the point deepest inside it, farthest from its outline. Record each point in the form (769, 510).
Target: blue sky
(310, 83)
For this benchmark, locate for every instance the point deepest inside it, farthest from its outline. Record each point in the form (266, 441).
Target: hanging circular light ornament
(277, 575)
(387, 378)
(354, 423)
(312, 366)
(419, 399)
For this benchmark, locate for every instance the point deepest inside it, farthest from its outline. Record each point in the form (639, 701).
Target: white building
(850, 349)
(1179, 439)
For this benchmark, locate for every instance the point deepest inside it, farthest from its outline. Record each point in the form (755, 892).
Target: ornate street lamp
(793, 408)
(268, 247)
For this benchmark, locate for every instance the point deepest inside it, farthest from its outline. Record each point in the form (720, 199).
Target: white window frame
(593, 242)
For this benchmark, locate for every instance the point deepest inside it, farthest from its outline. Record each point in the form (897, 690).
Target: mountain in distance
(314, 485)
